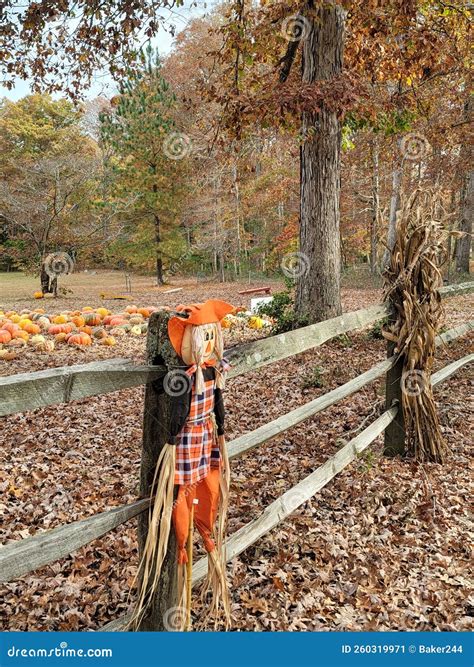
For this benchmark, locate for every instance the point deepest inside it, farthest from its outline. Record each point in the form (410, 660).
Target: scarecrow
(194, 460)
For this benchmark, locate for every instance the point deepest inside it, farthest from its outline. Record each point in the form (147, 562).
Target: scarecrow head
(196, 336)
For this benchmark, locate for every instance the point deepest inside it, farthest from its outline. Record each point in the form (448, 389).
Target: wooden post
(394, 442)
(155, 435)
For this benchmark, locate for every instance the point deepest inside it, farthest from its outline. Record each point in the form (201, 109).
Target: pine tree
(146, 162)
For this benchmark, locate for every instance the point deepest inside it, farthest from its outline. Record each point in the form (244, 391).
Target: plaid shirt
(197, 450)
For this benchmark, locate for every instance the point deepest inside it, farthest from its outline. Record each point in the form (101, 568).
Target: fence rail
(61, 385)
(27, 391)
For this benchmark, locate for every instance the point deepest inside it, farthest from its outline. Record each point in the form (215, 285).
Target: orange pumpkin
(117, 321)
(10, 327)
(38, 295)
(60, 328)
(31, 328)
(24, 335)
(79, 339)
(145, 312)
(5, 336)
(92, 319)
(131, 309)
(86, 330)
(78, 320)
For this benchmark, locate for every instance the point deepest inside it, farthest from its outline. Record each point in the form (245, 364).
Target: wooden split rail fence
(27, 391)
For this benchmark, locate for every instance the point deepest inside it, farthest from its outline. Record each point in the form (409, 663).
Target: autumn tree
(148, 158)
(49, 175)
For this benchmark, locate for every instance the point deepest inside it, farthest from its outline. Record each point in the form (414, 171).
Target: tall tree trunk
(397, 176)
(318, 288)
(374, 222)
(159, 257)
(463, 245)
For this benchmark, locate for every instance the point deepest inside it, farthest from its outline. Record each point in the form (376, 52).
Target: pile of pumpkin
(76, 328)
(244, 318)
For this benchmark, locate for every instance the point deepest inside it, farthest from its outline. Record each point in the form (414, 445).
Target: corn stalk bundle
(412, 282)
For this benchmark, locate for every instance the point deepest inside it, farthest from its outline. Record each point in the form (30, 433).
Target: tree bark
(318, 287)
(395, 200)
(159, 258)
(374, 222)
(463, 245)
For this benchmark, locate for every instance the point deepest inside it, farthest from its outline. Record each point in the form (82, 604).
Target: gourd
(60, 319)
(78, 320)
(60, 328)
(92, 319)
(79, 339)
(7, 355)
(136, 331)
(38, 295)
(108, 340)
(5, 336)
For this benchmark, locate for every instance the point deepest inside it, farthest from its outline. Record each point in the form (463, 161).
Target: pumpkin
(60, 328)
(21, 334)
(10, 327)
(117, 321)
(87, 309)
(136, 331)
(108, 340)
(5, 336)
(78, 320)
(31, 328)
(145, 312)
(102, 311)
(14, 318)
(92, 319)
(45, 346)
(7, 355)
(256, 323)
(38, 295)
(61, 337)
(99, 332)
(226, 323)
(86, 330)
(43, 322)
(60, 319)
(136, 319)
(79, 339)
(131, 309)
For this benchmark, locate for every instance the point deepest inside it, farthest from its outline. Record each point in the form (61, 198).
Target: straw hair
(159, 526)
(413, 279)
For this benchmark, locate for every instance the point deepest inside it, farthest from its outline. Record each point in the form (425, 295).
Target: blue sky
(103, 84)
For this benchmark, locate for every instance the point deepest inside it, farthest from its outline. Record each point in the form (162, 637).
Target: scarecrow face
(201, 336)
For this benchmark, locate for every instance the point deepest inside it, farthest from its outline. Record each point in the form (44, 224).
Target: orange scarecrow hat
(197, 313)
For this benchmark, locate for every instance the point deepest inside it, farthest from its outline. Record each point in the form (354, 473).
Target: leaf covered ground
(384, 546)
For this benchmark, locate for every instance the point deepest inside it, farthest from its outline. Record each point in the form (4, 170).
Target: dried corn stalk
(412, 282)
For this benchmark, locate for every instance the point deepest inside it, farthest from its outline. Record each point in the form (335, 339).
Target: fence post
(394, 440)
(159, 351)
